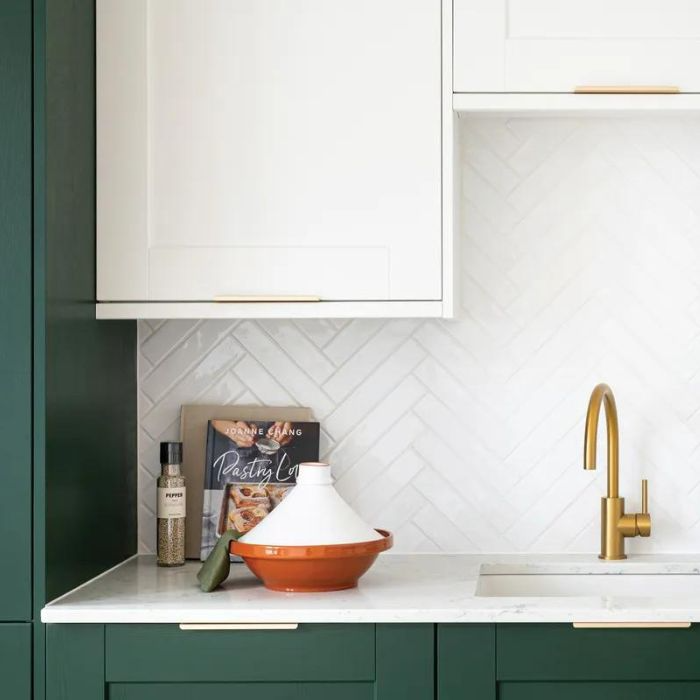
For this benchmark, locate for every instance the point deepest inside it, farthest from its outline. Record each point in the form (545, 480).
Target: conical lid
(313, 513)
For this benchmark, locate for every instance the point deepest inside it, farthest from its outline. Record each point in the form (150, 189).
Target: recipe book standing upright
(250, 467)
(194, 422)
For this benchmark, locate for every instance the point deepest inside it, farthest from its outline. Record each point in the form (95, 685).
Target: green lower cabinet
(557, 661)
(557, 652)
(16, 661)
(650, 690)
(466, 662)
(259, 691)
(311, 653)
(313, 662)
(371, 662)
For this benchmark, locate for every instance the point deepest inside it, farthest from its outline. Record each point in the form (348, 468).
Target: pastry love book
(250, 467)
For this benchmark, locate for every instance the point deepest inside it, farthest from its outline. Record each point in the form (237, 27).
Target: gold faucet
(615, 524)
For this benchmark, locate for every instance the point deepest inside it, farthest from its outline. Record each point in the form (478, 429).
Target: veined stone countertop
(399, 588)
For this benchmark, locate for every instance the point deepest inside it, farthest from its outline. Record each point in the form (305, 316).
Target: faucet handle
(643, 519)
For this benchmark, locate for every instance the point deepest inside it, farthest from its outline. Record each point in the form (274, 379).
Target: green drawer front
(562, 653)
(599, 691)
(16, 661)
(165, 653)
(259, 691)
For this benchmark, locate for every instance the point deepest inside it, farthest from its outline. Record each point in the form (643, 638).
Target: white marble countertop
(399, 588)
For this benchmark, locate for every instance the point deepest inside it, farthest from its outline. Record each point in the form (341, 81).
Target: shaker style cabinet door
(555, 46)
(268, 147)
(15, 308)
(16, 661)
(316, 661)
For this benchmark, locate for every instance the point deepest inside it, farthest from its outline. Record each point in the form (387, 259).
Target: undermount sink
(623, 581)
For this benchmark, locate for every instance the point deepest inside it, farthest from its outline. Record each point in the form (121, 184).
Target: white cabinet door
(269, 147)
(557, 45)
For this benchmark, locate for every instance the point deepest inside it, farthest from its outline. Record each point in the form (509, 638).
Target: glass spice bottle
(171, 506)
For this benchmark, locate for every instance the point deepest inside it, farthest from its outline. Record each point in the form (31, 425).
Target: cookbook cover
(250, 467)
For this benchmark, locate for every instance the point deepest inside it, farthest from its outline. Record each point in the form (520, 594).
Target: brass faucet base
(612, 541)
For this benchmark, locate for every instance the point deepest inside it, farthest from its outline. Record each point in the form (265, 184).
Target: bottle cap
(171, 453)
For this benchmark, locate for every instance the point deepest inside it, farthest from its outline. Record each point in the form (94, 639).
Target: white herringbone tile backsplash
(580, 263)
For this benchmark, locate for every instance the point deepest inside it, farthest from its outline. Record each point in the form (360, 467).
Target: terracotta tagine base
(313, 568)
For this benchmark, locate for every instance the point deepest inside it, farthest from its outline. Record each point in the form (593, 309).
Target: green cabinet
(150, 662)
(67, 382)
(318, 653)
(626, 690)
(16, 660)
(15, 308)
(553, 661)
(466, 662)
(259, 691)
(551, 652)
(381, 662)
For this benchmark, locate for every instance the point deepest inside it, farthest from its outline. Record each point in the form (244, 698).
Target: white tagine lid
(313, 513)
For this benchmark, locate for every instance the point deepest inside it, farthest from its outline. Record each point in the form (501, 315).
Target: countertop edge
(334, 616)
(411, 588)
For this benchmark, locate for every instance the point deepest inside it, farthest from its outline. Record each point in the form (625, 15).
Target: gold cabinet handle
(627, 89)
(630, 625)
(243, 627)
(263, 298)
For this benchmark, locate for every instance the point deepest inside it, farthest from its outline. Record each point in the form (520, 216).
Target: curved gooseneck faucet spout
(603, 394)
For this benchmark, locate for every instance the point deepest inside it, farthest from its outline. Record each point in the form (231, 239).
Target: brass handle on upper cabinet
(630, 625)
(261, 298)
(203, 626)
(627, 89)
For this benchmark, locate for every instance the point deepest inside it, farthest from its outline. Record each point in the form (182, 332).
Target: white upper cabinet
(559, 45)
(269, 147)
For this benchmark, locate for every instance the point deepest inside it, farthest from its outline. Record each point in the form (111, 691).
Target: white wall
(580, 263)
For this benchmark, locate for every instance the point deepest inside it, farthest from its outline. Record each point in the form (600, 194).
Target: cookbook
(249, 469)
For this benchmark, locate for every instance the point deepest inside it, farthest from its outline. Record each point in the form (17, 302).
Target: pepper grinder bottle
(171, 506)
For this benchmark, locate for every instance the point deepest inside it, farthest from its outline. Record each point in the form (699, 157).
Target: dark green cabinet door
(313, 662)
(559, 652)
(15, 307)
(259, 691)
(16, 661)
(557, 662)
(405, 662)
(75, 662)
(167, 654)
(466, 662)
(668, 690)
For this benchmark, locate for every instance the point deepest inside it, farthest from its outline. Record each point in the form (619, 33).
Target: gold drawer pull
(241, 626)
(631, 625)
(627, 89)
(262, 298)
